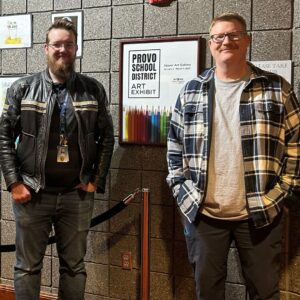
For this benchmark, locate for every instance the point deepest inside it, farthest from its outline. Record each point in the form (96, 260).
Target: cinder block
(114, 89)
(235, 291)
(36, 60)
(6, 206)
(68, 4)
(154, 158)
(160, 21)
(97, 248)
(296, 48)
(161, 221)
(124, 243)
(55, 272)
(13, 61)
(266, 15)
(127, 21)
(46, 272)
(7, 265)
(3, 184)
(123, 183)
(239, 6)
(41, 23)
(96, 56)
(127, 221)
(271, 45)
(97, 279)
(182, 266)
(234, 270)
(97, 23)
(124, 284)
(122, 2)
(194, 16)
(122, 158)
(184, 288)
(7, 232)
(161, 286)
(159, 190)
(88, 296)
(39, 5)
(161, 256)
(95, 3)
(115, 55)
(206, 60)
(10, 7)
(296, 13)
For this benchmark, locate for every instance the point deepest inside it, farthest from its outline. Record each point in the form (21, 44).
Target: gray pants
(70, 215)
(208, 242)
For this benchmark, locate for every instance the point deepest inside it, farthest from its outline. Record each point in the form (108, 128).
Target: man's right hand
(20, 192)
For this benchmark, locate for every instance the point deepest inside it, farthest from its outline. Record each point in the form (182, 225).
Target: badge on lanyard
(62, 150)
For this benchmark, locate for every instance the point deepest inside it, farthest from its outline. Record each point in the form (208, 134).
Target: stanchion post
(145, 224)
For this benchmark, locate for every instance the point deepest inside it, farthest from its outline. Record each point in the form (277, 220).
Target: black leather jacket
(26, 116)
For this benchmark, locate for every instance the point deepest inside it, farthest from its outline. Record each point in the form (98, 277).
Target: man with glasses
(56, 143)
(233, 158)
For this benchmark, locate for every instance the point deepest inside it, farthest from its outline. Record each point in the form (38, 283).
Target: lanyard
(63, 118)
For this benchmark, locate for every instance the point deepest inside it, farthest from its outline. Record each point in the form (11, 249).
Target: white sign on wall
(280, 67)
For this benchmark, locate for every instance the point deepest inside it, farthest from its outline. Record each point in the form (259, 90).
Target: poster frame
(78, 14)
(160, 44)
(25, 29)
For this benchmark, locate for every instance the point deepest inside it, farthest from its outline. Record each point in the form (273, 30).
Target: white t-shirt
(226, 197)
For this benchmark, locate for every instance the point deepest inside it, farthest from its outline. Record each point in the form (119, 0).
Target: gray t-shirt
(226, 197)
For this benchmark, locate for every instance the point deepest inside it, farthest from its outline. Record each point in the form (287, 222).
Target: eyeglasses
(58, 46)
(233, 36)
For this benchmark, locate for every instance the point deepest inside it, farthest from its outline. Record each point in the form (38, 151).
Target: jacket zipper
(79, 138)
(50, 106)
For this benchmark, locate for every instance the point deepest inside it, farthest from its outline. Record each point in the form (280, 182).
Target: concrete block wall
(275, 30)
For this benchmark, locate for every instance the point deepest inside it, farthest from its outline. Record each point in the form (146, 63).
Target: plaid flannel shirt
(269, 129)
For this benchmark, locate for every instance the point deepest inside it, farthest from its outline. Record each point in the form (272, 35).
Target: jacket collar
(256, 73)
(70, 82)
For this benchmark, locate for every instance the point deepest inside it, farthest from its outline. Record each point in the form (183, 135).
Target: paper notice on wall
(280, 67)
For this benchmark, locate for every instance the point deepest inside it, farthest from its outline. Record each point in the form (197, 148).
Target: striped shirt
(270, 139)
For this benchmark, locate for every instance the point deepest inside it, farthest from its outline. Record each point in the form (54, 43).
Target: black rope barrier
(95, 221)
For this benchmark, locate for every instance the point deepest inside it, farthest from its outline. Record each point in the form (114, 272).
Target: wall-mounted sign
(280, 67)
(76, 18)
(152, 72)
(5, 83)
(16, 31)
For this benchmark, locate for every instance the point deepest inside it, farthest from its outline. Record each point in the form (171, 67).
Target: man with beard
(56, 143)
(233, 159)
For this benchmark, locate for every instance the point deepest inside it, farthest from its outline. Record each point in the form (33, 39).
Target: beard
(61, 70)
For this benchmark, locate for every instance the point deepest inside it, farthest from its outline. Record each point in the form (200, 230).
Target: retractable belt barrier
(95, 221)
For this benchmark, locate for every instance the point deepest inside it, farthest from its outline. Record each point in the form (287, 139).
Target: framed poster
(16, 31)
(5, 83)
(152, 72)
(76, 18)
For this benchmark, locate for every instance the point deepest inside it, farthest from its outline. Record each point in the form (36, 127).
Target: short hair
(63, 23)
(228, 17)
